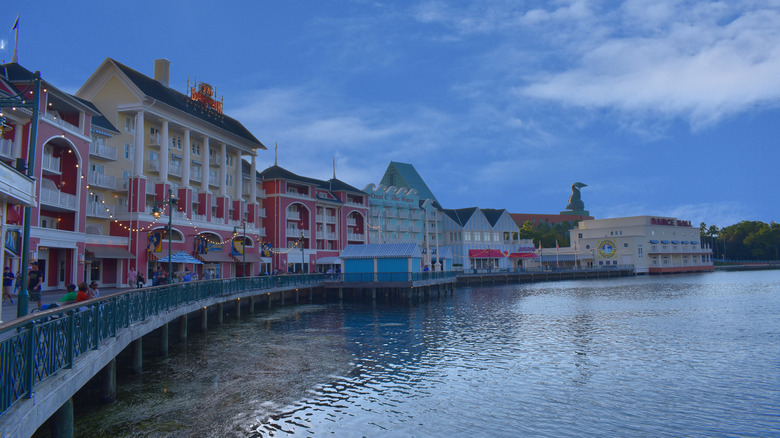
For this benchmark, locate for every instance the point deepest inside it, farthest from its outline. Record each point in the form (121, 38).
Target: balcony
(101, 150)
(54, 117)
(294, 194)
(403, 214)
(330, 236)
(389, 213)
(155, 140)
(351, 222)
(260, 212)
(99, 209)
(199, 217)
(355, 204)
(354, 237)
(50, 163)
(153, 166)
(102, 181)
(260, 194)
(56, 198)
(174, 170)
(7, 148)
(293, 216)
(330, 219)
(296, 232)
(260, 231)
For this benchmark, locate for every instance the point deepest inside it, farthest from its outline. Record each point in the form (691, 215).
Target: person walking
(8, 284)
(140, 281)
(132, 277)
(34, 283)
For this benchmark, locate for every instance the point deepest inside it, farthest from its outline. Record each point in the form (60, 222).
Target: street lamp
(302, 255)
(243, 249)
(156, 212)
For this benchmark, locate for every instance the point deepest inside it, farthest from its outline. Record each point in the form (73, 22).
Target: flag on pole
(16, 23)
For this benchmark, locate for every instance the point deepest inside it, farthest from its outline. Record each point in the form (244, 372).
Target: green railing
(37, 346)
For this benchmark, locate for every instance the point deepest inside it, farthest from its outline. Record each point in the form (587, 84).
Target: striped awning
(523, 255)
(485, 253)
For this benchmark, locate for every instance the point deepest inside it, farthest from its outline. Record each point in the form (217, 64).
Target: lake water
(682, 355)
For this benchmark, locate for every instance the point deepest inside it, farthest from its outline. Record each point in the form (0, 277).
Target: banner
(155, 242)
(237, 247)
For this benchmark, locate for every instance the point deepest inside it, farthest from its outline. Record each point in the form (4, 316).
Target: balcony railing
(62, 123)
(296, 232)
(354, 237)
(155, 139)
(351, 222)
(100, 180)
(58, 199)
(7, 148)
(293, 216)
(199, 217)
(100, 149)
(98, 209)
(153, 165)
(260, 212)
(50, 163)
(174, 170)
(330, 219)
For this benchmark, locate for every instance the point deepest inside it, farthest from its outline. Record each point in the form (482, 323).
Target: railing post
(71, 336)
(29, 367)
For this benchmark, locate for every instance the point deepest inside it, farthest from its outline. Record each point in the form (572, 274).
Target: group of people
(83, 291)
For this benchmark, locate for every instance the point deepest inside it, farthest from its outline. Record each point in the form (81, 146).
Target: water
(691, 355)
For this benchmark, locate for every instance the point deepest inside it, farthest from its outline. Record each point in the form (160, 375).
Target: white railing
(356, 237)
(330, 236)
(355, 204)
(320, 218)
(58, 199)
(389, 213)
(199, 217)
(261, 193)
(153, 166)
(330, 219)
(403, 214)
(293, 216)
(155, 139)
(98, 209)
(63, 123)
(261, 231)
(351, 221)
(292, 194)
(195, 176)
(296, 232)
(50, 163)
(7, 148)
(100, 180)
(100, 149)
(175, 171)
(150, 188)
(260, 212)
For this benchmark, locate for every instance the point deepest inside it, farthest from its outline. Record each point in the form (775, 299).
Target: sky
(662, 107)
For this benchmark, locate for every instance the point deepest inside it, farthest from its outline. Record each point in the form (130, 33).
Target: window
(212, 155)
(196, 172)
(128, 151)
(229, 180)
(496, 237)
(175, 166)
(228, 160)
(130, 124)
(175, 142)
(477, 236)
(639, 249)
(195, 148)
(466, 235)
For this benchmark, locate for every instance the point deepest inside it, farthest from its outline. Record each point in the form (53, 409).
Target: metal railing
(38, 346)
(385, 277)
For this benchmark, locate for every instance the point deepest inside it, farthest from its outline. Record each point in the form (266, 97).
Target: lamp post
(302, 253)
(156, 213)
(243, 249)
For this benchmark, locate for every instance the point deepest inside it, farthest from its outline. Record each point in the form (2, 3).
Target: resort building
(160, 158)
(404, 210)
(56, 161)
(485, 239)
(310, 221)
(653, 245)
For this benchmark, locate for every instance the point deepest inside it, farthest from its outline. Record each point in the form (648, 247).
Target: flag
(556, 245)
(16, 23)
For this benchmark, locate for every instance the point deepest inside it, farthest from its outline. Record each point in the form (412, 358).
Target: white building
(654, 245)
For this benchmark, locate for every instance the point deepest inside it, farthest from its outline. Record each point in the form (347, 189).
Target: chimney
(162, 71)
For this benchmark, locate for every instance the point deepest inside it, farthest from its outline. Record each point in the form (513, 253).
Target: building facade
(653, 245)
(310, 221)
(163, 158)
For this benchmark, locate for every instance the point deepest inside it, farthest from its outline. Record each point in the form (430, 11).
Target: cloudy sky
(661, 107)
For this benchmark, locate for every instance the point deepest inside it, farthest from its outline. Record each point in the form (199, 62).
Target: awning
(653, 241)
(250, 258)
(328, 261)
(523, 255)
(485, 253)
(215, 257)
(685, 242)
(179, 257)
(675, 241)
(664, 241)
(109, 252)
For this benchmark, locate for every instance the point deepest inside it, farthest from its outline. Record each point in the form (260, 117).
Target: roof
(99, 122)
(381, 250)
(461, 215)
(15, 73)
(492, 215)
(405, 175)
(333, 184)
(181, 102)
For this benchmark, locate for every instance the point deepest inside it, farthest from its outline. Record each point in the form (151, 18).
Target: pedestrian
(207, 274)
(34, 283)
(187, 276)
(158, 276)
(93, 291)
(132, 277)
(140, 281)
(8, 284)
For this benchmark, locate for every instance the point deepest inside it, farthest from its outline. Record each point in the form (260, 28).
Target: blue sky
(663, 107)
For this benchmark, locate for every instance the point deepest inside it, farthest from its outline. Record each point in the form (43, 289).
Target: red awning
(523, 255)
(485, 254)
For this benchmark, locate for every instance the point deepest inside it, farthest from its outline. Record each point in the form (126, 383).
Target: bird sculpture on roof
(575, 201)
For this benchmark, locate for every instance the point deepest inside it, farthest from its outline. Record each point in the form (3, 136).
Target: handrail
(35, 347)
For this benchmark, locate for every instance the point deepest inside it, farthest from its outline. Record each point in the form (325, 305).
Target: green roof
(405, 175)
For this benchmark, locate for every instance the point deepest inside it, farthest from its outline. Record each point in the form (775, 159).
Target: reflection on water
(693, 355)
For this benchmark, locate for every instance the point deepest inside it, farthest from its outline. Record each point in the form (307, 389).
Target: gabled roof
(99, 122)
(181, 102)
(492, 215)
(405, 175)
(461, 215)
(381, 250)
(15, 73)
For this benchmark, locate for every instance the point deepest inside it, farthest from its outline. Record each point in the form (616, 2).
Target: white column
(187, 160)
(16, 151)
(222, 170)
(205, 171)
(138, 165)
(253, 180)
(164, 155)
(239, 176)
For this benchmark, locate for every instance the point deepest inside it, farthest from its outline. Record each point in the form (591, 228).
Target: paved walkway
(49, 296)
